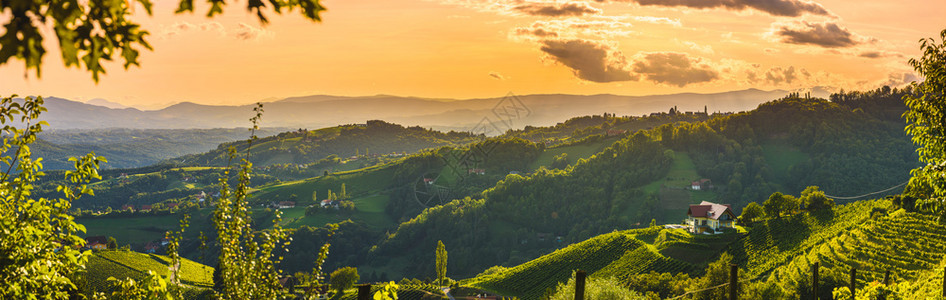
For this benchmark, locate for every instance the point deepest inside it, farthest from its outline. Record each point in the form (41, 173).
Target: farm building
(709, 217)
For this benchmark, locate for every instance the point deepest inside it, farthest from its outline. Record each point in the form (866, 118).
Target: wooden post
(853, 282)
(364, 292)
(814, 281)
(886, 283)
(733, 281)
(580, 285)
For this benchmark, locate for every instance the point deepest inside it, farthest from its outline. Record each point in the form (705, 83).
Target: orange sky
(487, 48)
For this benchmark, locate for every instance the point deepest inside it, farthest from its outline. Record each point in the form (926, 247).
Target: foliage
(246, 258)
(925, 122)
(95, 31)
(344, 278)
(38, 239)
(595, 288)
(717, 273)
(560, 161)
(873, 290)
(387, 292)
(751, 213)
(315, 279)
(151, 287)
(812, 199)
(777, 204)
(441, 264)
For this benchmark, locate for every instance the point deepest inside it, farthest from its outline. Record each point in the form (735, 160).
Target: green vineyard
(128, 264)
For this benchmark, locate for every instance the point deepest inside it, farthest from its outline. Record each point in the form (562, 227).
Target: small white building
(709, 217)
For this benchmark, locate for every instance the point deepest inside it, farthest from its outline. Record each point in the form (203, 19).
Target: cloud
(823, 34)
(496, 75)
(901, 79)
(784, 8)
(573, 29)
(658, 20)
(674, 68)
(778, 75)
(589, 60)
(568, 9)
(701, 48)
(536, 32)
(248, 32)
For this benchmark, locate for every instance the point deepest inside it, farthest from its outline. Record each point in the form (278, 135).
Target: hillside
(123, 264)
(647, 176)
(861, 234)
(132, 148)
(304, 146)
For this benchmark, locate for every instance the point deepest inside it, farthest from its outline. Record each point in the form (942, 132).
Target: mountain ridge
(317, 111)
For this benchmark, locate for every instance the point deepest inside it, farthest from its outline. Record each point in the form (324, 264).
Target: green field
(575, 152)
(139, 230)
(674, 190)
(368, 210)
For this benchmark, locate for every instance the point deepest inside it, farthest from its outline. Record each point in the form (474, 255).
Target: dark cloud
(569, 9)
(674, 69)
(589, 60)
(497, 76)
(871, 54)
(786, 8)
(777, 75)
(826, 34)
(537, 32)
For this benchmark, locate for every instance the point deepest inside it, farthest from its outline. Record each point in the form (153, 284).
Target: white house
(709, 217)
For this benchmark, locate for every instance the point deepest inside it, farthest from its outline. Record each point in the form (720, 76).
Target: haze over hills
(324, 111)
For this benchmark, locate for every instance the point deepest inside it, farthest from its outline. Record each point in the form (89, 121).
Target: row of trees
(779, 204)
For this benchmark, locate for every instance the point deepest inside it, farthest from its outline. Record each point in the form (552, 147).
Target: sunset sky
(487, 48)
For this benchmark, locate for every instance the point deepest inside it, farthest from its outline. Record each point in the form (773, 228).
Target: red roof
(710, 210)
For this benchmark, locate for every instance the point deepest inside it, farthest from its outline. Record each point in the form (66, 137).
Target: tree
(560, 161)
(248, 255)
(927, 105)
(441, 262)
(814, 199)
(90, 32)
(344, 278)
(774, 205)
(344, 194)
(37, 233)
(751, 213)
(112, 244)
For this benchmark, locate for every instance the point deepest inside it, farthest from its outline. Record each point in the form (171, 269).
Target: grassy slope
(575, 152)
(673, 190)
(122, 264)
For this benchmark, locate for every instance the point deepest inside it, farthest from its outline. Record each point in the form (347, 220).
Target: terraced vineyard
(773, 243)
(125, 264)
(617, 254)
(907, 244)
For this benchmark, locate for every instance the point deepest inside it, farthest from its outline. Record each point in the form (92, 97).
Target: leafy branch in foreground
(247, 259)
(39, 256)
(926, 119)
(90, 32)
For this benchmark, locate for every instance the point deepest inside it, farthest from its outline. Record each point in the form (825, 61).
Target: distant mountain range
(446, 114)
